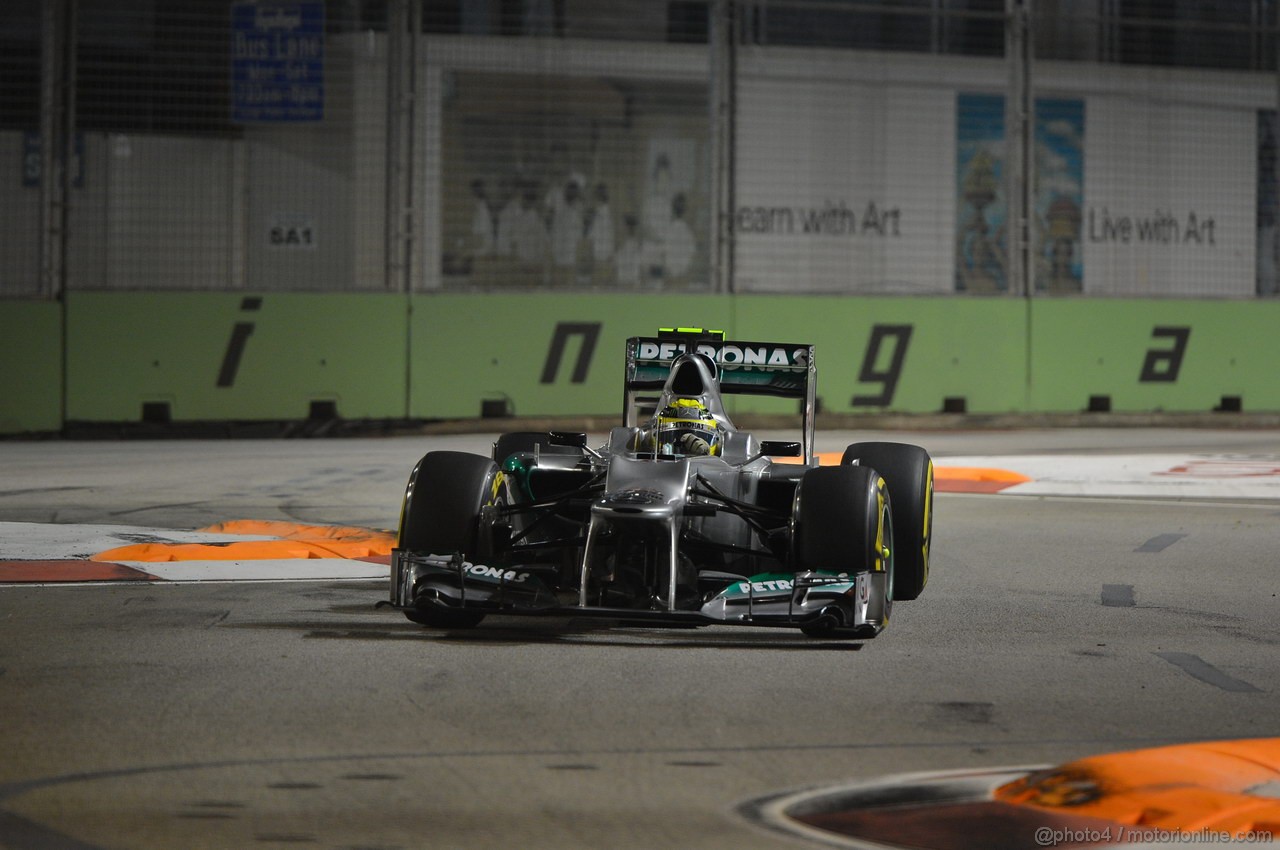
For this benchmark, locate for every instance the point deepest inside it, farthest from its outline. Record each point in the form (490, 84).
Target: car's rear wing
(785, 370)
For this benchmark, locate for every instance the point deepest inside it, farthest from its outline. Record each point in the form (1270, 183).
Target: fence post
(1020, 158)
(722, 44)
(57, 139)
(404, 27)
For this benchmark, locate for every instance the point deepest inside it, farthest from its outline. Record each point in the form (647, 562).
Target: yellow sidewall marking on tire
(881, 564)
(928, 519)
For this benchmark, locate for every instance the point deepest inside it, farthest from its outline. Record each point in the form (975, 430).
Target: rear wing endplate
(784, 370)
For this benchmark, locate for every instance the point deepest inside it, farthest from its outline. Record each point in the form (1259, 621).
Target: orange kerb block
(946, 479)
(974, 479)
(294, 541)
(1225, 787)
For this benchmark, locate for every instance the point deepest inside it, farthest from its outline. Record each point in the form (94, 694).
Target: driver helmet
(686, 428)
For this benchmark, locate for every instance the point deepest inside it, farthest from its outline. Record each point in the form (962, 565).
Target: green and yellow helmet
(686, 428)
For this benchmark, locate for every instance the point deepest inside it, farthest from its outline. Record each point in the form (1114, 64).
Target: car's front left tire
(842, 522)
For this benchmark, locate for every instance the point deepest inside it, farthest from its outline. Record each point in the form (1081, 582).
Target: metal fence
(924, 147)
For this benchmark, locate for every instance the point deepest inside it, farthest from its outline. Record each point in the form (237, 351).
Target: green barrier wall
(30, 366)
(244, 357)
(564, 354)
(905, 355)
(221, 356)
(1184, 356)
(468, 349)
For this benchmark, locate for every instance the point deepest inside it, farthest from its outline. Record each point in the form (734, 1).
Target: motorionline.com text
(1052, 837)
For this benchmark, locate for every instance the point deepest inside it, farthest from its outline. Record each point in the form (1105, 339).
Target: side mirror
(780, 448)
(573, 439)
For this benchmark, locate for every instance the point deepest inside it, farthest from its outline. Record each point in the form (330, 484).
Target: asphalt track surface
(293, 714)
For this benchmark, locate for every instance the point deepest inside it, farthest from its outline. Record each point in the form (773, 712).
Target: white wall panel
(844, 187)
(169, 212)
(1169, 198)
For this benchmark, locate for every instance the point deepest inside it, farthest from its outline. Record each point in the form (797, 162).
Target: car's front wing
(827, 603)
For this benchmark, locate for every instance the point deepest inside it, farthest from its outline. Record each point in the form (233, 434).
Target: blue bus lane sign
(277, 62)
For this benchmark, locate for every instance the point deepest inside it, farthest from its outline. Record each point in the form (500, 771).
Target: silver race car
(679, 519)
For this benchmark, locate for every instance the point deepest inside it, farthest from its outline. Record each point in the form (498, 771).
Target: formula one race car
(680, 519)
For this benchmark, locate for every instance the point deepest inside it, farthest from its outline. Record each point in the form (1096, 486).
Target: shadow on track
(557, 631)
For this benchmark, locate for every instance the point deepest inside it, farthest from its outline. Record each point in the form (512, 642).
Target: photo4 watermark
(1120, 834)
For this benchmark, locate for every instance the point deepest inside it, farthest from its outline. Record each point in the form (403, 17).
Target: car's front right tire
(441, 516)
(908, 470)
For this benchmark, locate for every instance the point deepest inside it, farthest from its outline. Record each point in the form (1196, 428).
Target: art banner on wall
(981, 208)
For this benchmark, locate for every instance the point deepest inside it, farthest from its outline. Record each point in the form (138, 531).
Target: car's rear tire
(441, 516)
(843, 522)
(908, 470)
